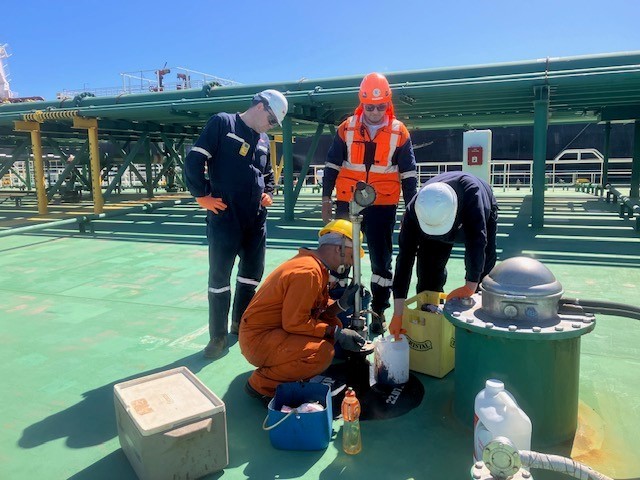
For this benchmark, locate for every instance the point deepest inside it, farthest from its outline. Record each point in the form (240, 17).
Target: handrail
(628, 207)
(519, 173)
(504, 173)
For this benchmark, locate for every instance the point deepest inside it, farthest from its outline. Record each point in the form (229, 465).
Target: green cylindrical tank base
(541, 375)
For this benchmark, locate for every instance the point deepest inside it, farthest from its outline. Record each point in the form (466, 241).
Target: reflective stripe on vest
(393, 144)
(393, 141)
(348, 138)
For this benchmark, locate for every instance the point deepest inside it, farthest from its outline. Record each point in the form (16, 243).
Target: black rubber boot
(378, 325)
(252, 392)
(216, 347)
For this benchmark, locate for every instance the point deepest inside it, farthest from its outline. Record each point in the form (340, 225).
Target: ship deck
(81, 312)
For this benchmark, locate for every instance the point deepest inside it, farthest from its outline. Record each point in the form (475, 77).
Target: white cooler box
(171, 426)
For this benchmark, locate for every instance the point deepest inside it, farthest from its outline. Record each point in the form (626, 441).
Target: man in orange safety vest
(372, 146)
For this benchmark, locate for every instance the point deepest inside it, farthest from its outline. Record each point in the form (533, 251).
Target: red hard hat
(374, 89)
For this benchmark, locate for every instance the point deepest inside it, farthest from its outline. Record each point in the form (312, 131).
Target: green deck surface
(81, 312)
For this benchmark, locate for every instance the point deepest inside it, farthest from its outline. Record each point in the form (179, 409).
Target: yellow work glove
(462, 292)
(211, 203)
(266, 200)
(395, 327)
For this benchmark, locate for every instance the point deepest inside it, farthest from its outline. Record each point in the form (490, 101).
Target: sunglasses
(271, 117)
(380, 107)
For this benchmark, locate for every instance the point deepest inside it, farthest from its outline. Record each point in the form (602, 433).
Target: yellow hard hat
(342, 227)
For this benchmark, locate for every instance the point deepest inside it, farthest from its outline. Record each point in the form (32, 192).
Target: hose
(501, 457)
(556, 463)
(599, 306)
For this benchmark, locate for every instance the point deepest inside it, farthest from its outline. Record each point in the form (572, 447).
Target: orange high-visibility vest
(383, 174)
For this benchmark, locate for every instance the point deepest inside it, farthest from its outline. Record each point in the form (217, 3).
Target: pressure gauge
(364, 195)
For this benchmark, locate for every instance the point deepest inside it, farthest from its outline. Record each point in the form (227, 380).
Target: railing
(504, 173)
(519, 173)
(627, 207)
(54, 168)
(129, 89)
(146, 81)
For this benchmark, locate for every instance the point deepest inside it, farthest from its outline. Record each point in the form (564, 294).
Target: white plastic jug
(391, 360)
(497, 415)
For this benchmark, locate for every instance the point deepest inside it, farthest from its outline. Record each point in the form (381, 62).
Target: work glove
(395, 327)
(212, 203)
(349, 339)
(266, 200)
(327, 210)
(462, 292)
(348, 298)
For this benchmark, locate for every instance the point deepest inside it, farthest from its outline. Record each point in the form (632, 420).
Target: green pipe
(606, 147)
(148, 170)
(547, 67)
(38, 227)
(635, 166)
(551, 64)
(335, 96)
(287, 153)
(540, 112)
(504, 72)
(307, 161)
(27, 169)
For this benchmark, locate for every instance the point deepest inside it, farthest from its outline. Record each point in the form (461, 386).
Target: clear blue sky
(73, 44)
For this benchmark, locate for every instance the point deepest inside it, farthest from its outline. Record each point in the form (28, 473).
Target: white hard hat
(436, 208)
(276, 101)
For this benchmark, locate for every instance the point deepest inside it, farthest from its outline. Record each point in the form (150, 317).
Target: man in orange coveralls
(290, 326)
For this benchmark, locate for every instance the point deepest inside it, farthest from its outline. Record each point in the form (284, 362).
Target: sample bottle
(391, 360)
(351, 441)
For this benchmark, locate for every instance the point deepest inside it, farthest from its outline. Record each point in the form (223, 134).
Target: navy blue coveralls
(476, 223)
(239, 171)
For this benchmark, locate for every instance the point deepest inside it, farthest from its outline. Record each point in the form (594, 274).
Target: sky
(58, 45)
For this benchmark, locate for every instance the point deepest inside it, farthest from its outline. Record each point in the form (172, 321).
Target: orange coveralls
(283, 328)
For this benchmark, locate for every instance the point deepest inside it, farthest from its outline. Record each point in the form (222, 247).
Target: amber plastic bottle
(351, 439)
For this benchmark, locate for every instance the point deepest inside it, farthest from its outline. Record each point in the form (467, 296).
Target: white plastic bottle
(497, 415)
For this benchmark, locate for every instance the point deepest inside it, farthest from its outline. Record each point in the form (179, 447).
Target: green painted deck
(81, 312)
